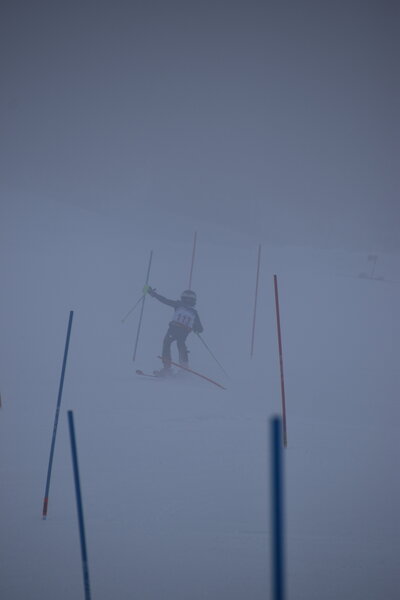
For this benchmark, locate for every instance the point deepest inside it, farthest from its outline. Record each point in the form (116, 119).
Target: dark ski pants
(177, 334)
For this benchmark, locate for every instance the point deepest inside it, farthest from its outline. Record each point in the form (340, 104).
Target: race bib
(184, 316)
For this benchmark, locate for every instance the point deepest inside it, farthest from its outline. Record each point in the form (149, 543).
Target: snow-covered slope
(175, 474)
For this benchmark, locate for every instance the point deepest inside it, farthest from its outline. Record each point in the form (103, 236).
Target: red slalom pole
(255, 301)
(192, 263)
(278, 325)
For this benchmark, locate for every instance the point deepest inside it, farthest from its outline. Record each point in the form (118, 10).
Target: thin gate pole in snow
(277, 511)
(192, 263)
(255, 301)
(85, 565)
(53, 440)
(141, 310)
(278, 326)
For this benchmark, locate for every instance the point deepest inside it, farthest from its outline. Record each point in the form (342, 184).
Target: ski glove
(147, 290)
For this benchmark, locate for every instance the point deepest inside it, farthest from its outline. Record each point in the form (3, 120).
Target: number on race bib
(184, 317)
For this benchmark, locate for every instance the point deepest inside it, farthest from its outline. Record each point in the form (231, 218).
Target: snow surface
(175, 475)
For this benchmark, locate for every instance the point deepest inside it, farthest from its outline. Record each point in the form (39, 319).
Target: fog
(278, 119)
(125, 128)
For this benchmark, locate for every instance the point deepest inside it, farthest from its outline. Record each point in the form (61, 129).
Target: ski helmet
(189, 297)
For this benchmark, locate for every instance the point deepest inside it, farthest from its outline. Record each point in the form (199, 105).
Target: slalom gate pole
(278, 326)
(192, 263)
(132, 309)
(255, 301)
(141, 310)
(277, 511)
(53, 440)
(85, 565)
(217, 361)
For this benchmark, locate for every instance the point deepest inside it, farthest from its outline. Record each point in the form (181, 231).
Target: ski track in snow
(174, 474)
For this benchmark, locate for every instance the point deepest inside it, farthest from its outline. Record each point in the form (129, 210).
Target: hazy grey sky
(280, 118)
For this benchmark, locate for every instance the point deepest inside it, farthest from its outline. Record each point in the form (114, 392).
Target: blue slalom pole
(277, 511)
(85, 565)
(53, 440)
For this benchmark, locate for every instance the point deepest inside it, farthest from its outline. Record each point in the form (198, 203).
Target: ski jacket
(184, 316)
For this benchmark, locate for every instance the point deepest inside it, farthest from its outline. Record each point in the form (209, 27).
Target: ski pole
(132, 309)
(216, 360)
(141, 311)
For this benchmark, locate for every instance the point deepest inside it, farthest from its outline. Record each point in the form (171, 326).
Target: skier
(184, 320)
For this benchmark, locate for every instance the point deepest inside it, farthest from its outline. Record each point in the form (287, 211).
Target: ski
(195, 373)
(140, 372)
(155, 375)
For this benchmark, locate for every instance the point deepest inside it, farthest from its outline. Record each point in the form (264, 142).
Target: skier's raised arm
(152, 292)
